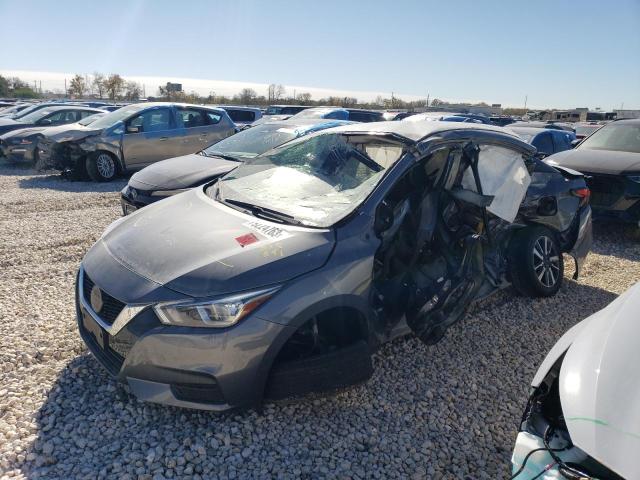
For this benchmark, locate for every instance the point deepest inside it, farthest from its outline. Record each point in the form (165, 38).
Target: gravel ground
(449, 411)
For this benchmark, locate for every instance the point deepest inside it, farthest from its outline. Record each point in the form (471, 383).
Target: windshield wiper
(262, 212)
(220, 155)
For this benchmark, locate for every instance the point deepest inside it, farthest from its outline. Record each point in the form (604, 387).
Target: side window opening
(503, 175)
(191, 118)
(155, 120)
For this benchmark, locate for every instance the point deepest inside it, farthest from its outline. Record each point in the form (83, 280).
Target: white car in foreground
(583, 416)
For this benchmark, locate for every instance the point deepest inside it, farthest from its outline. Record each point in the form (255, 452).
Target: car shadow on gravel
(618, 239)
(51, 181)
(8, 169)
(450, 409)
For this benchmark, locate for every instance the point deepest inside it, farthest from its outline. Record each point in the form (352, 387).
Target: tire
(332, 371)
(535, 260)
(101, 166)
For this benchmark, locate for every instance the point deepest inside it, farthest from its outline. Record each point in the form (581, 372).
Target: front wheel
(536, 265)
(101, 167)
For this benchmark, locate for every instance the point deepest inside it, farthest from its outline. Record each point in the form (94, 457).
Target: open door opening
(436, 242)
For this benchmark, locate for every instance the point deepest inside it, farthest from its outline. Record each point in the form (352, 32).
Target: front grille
(111, 307)
(198, 393)
(111, 359)
(605, 190)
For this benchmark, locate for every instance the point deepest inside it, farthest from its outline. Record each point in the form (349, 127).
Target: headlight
(634, 178)
(220, 313)
(168, 193)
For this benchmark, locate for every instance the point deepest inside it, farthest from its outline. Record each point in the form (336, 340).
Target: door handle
(164, 138)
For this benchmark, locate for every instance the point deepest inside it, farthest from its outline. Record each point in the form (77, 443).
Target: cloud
(55, 81)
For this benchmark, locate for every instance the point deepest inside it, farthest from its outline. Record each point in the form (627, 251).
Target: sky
(556, 53)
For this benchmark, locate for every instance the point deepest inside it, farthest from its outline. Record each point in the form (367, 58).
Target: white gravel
(449, 411)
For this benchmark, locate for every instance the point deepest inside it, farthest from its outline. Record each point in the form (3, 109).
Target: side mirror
(45, 122)
(384, 218)
(575, 143)
(133, 129)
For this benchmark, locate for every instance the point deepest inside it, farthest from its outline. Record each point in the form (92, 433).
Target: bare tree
(279, 92)
(276, 92)
(247, 96)
(133, 90)
(77, 86)
(304, 97)
(114, 85)
(98, 84)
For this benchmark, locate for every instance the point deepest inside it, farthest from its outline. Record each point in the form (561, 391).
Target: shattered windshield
(254, 141)
(315, 181)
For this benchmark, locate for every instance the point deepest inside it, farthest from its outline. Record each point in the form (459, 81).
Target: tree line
(16, 88)
(114, 87)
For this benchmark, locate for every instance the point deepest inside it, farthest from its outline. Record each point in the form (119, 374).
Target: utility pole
(65, 88)
(428, 95)
(526, 97)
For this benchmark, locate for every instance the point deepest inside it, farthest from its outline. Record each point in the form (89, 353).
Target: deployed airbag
(504, 176)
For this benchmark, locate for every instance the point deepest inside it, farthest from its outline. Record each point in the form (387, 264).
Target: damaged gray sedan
(283, 277)
(133, 137)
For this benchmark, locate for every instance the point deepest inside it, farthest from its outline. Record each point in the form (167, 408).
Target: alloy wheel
(546, 261)
(106, 165)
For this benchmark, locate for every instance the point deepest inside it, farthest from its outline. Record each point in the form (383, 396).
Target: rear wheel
(535, 262)
(101, 166)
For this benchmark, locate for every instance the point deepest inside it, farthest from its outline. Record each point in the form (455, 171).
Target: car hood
(66, 133)
(196, 246)
(23, 132)
(600, 386)
(7, 121)
(7, 125)
(181, 172)
(597, 161)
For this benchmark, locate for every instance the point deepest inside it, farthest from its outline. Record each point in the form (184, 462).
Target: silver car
(133, 137)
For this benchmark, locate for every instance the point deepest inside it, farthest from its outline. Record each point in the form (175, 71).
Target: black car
(610, 161)
(47, 117)
(22, 145)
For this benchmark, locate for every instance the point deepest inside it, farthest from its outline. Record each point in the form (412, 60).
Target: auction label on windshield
(269, 231)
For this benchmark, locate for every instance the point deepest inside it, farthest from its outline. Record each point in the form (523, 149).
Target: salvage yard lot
(448, 411)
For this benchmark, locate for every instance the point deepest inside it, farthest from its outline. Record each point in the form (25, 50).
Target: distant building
(174, 87)
(575, 115)
(627, 113)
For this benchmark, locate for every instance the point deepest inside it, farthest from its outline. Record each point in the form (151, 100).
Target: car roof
(309, 122)
(143, 105)
(55, 108)
(416, 131)
(531, 130)
(236, 107)
(632, 121)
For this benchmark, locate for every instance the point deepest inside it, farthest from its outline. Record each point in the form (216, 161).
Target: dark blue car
(547, 141)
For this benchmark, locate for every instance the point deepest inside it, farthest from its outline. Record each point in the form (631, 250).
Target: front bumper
(202, 368)
(16, 153)
(59, 156)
